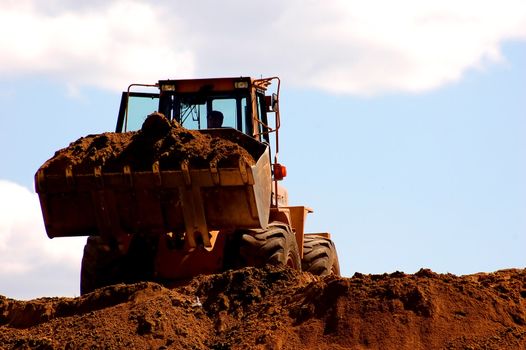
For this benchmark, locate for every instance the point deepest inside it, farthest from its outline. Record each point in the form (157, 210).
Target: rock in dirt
(159, 140)
(275, 308)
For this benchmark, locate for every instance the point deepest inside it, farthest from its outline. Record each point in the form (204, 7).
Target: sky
(402, 122)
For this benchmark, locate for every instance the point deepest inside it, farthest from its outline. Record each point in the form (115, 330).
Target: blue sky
(405, 134)
(427, 180)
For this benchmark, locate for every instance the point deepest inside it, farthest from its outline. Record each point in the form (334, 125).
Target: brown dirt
(158, 140)
(273, 308)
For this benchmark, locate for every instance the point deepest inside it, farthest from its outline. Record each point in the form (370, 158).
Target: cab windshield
(190, 110)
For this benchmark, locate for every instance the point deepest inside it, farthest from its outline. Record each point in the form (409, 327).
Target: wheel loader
(170, 223)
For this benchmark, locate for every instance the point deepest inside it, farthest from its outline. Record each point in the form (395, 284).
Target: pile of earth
(159, 140)
(275, 308)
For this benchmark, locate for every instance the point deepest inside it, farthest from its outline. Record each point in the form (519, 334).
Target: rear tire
(319, 256)
(275, 245)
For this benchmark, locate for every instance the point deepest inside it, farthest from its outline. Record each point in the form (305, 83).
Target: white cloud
(345, 46)
(24, 245)
(413, 45)
(108, 46)
(368, 47)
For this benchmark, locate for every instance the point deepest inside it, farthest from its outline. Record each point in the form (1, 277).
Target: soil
(159, 140)
(276, 308)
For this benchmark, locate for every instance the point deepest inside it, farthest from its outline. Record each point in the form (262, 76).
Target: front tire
(102, 265)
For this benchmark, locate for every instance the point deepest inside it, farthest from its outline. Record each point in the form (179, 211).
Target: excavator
(168, 224)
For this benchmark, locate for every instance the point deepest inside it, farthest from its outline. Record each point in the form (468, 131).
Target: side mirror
(272, 103)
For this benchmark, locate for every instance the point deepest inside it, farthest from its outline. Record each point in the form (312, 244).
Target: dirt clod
(274, 308)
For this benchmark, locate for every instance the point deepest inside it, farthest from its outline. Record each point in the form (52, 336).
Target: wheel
(103, 264)
(319, 256)
(275, 245)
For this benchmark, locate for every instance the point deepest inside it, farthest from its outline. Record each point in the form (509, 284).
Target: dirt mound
(157, 141)
(273, 308)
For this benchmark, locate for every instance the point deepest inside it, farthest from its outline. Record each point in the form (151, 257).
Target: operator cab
(241, 101)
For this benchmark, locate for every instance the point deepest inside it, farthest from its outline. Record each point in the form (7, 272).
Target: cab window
(228, 107)
(193, 114)
(138, 107)
(262, 116)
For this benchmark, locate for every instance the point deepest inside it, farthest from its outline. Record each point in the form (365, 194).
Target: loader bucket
(157, 201)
